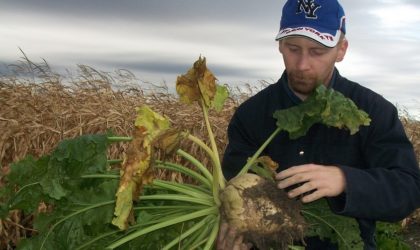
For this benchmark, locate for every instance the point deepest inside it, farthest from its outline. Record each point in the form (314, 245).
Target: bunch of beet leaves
(94, 205)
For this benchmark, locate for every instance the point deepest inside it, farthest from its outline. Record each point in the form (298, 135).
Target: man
(372, 175)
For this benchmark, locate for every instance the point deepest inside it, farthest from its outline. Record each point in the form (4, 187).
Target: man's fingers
(312, 181)
(287, 173)
(232, 233)
(313, 196)
(295, 170)
(223, 228)
(244, 246)
(237, 244)
(240, 245)
(228, 239)
(222, 234)
(293, 180)
(302, 189)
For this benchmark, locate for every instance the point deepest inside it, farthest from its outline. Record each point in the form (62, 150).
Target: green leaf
(82, 206)
(325, 224)
(222, 94)
(324, 106)
(81, 155)
(183, 170)
(73, 222)
(200, 226)
(27, 171)
(389, 236)
(71, 159)
(53, 186)
(341, 112)
(164, 224)
(25, 175)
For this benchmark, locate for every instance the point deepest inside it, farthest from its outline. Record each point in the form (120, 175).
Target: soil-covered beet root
(262, 212)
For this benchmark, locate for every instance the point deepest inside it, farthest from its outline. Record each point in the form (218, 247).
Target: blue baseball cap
(320, 20)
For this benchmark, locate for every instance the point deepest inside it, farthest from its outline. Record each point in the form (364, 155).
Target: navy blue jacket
(379, 163)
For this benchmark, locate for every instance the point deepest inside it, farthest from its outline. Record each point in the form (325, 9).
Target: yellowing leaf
(199, 84)
(168, 141)
(135, 171)
(187, 87)
(268, 163)
(152, 122)
(265, 167)
(123, 208)
(207, 85)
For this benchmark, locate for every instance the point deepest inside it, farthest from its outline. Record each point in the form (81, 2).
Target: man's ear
(342, 49)
(281, 47)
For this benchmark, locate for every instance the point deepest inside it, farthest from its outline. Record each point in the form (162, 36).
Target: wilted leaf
(152, 122)
(268, 163)
(168, 141)
(135, 172)
(207, 85)
(265, 167)
(187, 87)
(199, 84)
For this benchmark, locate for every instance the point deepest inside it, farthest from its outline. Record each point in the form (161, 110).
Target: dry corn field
(39, 108)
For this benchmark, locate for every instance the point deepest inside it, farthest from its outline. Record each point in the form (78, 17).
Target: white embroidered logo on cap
(309, 7)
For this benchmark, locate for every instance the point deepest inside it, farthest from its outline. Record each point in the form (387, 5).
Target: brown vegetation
(39, 108)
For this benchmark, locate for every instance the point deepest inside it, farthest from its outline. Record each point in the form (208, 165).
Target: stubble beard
(302, 84)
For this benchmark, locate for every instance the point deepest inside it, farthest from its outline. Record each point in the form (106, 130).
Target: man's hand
(314, 181)
(228, 239)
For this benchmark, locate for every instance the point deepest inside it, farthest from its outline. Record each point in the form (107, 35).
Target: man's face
(309, 63)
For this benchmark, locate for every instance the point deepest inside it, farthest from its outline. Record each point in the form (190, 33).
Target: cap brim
(326, 39)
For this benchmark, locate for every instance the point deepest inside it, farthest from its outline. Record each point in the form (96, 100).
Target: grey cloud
(4, 70)
(246, 23)
(170, 68)
(159, 10)
(177, 68)
(146, 66)
(413, 2)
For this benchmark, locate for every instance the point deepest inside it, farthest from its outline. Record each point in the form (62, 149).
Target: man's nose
(303, 62)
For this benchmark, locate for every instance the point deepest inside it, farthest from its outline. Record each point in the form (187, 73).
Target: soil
(412, 235)
(288, 224)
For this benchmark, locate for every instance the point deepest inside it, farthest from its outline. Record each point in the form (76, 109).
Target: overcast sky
(160, 39)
